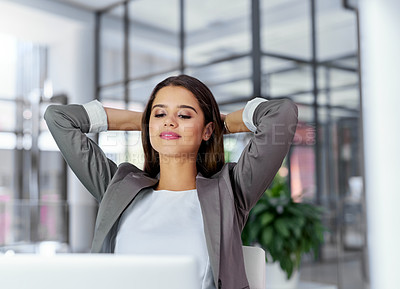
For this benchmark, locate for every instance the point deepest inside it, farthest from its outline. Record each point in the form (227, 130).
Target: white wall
(69, 34)
(380, 45)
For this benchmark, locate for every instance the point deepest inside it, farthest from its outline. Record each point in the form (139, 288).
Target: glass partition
(32, 171)
(285, 28)
(216, 31)
(308, 53)
(111, 44)
(153, 41)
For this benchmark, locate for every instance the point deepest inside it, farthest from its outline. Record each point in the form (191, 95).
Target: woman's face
(176, 125)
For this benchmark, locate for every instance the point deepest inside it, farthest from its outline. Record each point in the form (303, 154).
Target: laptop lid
(99, 271)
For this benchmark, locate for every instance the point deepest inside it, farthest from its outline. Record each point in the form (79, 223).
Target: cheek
(153, 131)
(154, 140)
(153, 127)
(193, 132)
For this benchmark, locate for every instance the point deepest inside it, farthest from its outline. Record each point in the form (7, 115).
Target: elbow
(289, 113)
(49, 113)
(53, 116)
(290, 108)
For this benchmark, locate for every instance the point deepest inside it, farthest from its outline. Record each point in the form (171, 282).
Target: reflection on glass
(153, 37)
(232, 90)
(114, 93)
(286, 27)
(112, 143)
(139, 91)
(348, 98)
(234, 145)
(283, 77)
(46, 142)
(111, 46)
(215, 31)
(287, 81)
(8, 66)
(302, 168)
(340, 78)
(7, 175)
(18, 224)
(351, 62)
(227, 80)
(7, 115)
(52, 176)
(336, 33)
(135, 154)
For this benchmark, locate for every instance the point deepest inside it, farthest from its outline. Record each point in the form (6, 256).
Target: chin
(175, 149)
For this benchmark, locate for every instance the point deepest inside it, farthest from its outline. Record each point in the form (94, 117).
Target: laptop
(98, 271)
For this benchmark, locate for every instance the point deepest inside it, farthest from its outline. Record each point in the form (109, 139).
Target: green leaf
(267, 236)
(266, 218)
(287, 266)
(295, 210)
(295, 229)
(299, 221)
(259, 208)
(282, 227)
(290, 268)
(254, 231)
(292, 244)
(278, 243)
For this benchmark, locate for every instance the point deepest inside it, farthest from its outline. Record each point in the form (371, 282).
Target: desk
(313, 285)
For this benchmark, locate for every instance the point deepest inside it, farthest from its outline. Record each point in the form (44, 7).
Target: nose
(170, 122)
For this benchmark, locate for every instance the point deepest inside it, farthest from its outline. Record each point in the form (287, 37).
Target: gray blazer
(225, 199)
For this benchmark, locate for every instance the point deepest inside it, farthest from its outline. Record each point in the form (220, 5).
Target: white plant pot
(276, 277)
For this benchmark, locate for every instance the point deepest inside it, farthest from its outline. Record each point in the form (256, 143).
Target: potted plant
(285, 229)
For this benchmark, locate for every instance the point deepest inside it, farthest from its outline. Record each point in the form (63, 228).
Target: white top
(166, 223)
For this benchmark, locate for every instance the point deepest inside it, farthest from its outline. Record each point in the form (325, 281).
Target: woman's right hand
(122, 119)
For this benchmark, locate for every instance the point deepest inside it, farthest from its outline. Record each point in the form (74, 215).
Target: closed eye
(159, 115)
(185, 116)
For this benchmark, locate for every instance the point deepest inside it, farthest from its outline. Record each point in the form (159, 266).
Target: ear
(208, 130)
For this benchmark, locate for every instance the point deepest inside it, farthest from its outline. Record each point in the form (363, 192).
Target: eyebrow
(179, 106)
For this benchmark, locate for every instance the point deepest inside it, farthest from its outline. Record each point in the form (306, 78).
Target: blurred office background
(72, 51)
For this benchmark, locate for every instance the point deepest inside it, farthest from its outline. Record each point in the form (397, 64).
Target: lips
(169, 135)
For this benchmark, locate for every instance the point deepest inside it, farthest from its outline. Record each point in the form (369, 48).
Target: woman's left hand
(233, 122)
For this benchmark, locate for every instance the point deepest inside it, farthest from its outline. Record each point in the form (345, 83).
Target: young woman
(186, 200)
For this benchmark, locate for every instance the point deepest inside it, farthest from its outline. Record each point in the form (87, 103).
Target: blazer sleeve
(274, 124)
(69, 124)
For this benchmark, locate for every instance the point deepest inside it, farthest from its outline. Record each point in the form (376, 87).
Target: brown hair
(210, 157)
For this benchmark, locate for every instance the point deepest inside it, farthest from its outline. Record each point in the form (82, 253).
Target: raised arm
(121, 119)
(234, 122)
(69, 124)
(273, 123)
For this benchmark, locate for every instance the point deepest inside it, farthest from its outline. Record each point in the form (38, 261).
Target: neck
(177, 174)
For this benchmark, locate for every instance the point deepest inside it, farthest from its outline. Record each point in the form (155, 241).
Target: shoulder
(132, 176)
(126, 168)
(129, 168)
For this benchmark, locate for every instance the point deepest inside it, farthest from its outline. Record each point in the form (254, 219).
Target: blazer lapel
(115, 202)
(208, 193)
